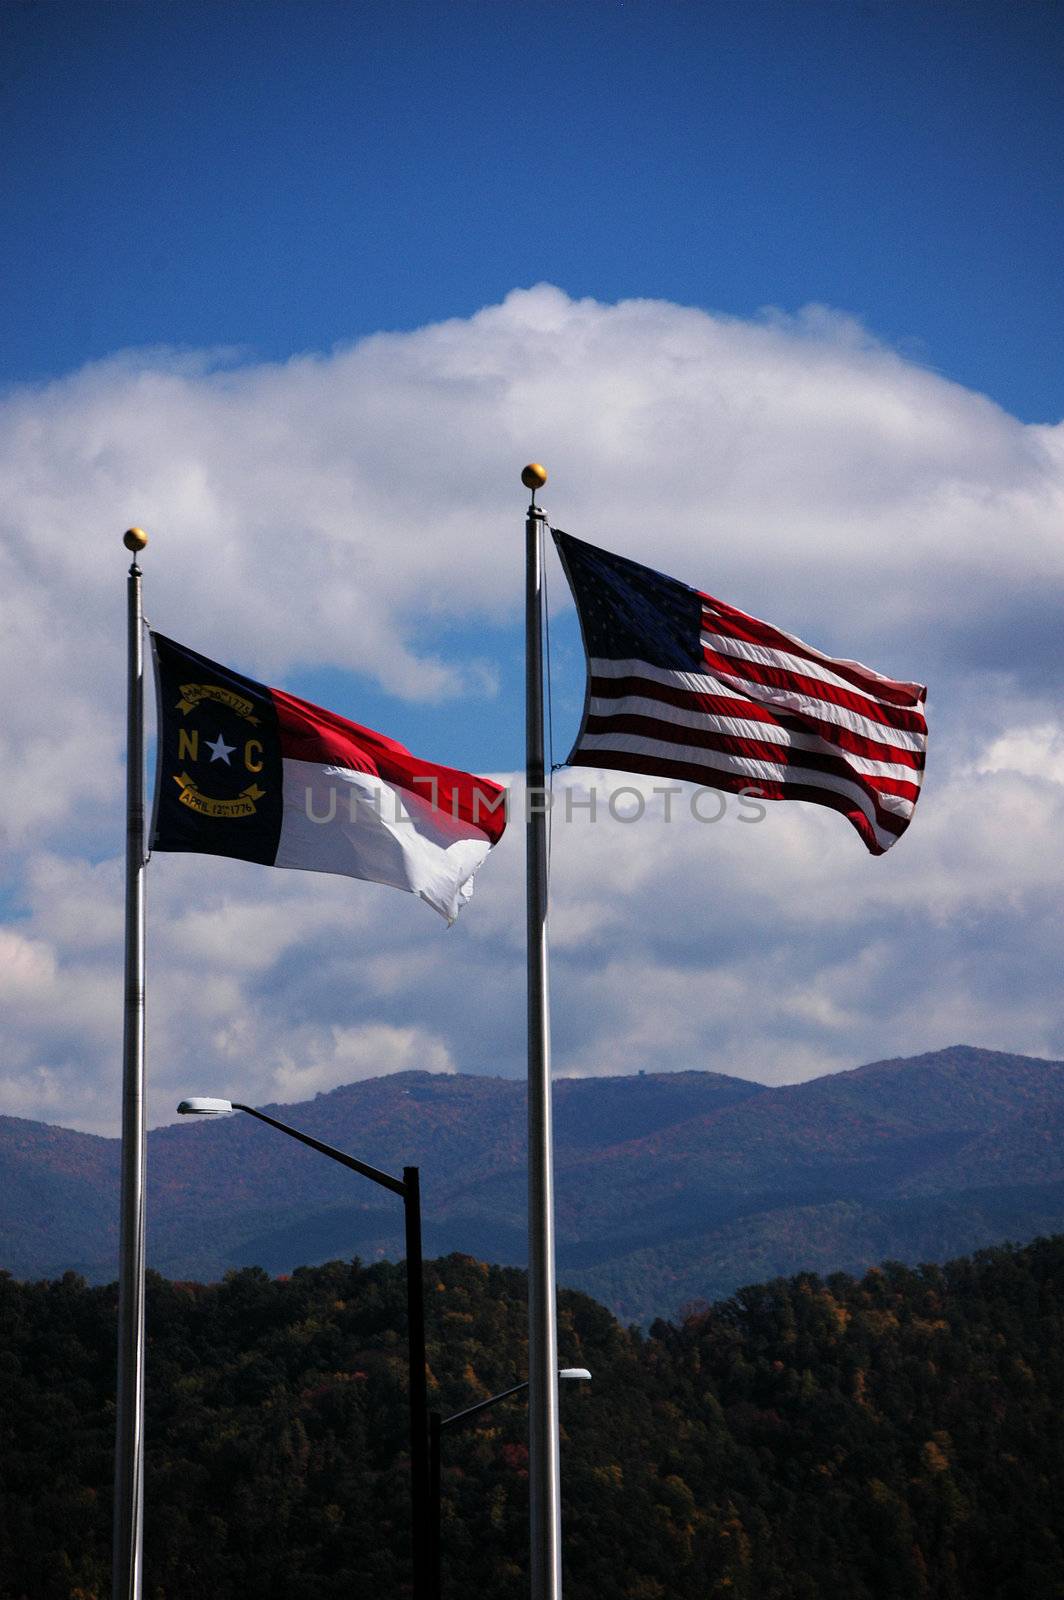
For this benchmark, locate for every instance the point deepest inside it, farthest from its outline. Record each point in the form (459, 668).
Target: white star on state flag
(220, 751)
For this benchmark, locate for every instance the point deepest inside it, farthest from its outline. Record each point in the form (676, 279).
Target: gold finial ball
(134, 539)
(533, 476)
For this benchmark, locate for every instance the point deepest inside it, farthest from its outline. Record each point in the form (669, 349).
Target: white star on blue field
(220, 751)
(773, 290)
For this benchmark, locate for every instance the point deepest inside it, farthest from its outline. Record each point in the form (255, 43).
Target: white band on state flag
(338, 820)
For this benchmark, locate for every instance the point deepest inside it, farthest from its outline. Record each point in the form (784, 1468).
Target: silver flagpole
(543, 1473)
(129, 1425)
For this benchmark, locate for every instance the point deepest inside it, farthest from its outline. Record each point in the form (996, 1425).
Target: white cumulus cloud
(359, 511)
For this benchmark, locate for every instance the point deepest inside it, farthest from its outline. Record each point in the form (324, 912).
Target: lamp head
(575, 1372)
(204, 1106)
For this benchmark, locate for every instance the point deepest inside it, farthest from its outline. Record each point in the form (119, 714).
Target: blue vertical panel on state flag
(682, 685)
(218, 765)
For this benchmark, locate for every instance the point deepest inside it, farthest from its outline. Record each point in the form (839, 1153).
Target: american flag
(681, 685)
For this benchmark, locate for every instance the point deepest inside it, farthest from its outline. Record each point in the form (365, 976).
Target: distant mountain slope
(58, 1199)
(957, 1089)
(670, 1186)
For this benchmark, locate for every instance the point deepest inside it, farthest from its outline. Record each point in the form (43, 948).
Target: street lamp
(436, 1427)
(409, 1190)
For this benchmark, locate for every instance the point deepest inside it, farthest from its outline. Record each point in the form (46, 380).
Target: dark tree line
(887, 1438)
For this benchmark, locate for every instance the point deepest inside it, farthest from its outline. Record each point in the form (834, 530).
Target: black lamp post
(436, 1427)
(408, 1188)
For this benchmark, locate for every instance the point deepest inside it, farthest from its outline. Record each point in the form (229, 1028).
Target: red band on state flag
(309, 733)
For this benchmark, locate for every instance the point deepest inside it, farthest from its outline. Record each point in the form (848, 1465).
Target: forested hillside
(887, 1438)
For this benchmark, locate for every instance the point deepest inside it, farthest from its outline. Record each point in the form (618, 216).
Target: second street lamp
(408, 1188)
(436, 1427)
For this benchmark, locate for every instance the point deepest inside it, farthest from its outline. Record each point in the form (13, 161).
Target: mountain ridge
(670, 1187)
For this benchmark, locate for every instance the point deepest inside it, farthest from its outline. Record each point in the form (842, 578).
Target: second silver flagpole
(543, 1470)
(129, 1420)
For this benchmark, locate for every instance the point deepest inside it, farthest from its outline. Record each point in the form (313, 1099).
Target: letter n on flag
(247, 771)
(682, 685)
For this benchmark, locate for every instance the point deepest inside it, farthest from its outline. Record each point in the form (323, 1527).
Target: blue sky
(282, 176)
(774, 290)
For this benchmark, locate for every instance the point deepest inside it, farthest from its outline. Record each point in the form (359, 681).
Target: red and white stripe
(769, 715)
(358, 803)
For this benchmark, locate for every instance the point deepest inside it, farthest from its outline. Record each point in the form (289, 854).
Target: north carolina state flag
(247, 771)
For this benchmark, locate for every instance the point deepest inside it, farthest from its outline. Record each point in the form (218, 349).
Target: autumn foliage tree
(889, 1438)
